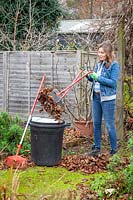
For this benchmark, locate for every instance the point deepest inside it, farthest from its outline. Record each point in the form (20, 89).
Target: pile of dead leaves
(48, 104)
(86, 164)
(71, 137)
(128, 123)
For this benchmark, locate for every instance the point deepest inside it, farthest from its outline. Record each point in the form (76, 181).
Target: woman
(104, 78)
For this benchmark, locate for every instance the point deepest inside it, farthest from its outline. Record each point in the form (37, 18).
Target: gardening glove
(94, 76)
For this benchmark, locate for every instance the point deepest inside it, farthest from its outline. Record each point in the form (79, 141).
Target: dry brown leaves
(86, 192)
(2, 165)
(85, 164)
(48, 104)
(71, 137)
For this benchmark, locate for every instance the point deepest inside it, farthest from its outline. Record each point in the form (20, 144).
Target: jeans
(103, 109)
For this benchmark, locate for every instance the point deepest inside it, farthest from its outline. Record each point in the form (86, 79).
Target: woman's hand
(94, 76)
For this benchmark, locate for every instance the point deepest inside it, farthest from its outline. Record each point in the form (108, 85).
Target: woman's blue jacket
(108, 78)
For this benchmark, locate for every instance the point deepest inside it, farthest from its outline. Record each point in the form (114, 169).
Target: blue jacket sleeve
(89, 78)
(112, 80)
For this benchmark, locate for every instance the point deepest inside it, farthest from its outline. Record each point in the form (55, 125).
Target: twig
(3, 148)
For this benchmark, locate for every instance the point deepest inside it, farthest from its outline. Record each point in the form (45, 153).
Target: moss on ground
(37, 181)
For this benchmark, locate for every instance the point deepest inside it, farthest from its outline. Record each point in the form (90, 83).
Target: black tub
(46, 141)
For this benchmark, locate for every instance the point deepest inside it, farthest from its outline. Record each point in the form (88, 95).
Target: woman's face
(101, 54)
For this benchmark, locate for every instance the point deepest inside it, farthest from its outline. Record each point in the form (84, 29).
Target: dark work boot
(112, 152)
(93, 147)
(95, 152)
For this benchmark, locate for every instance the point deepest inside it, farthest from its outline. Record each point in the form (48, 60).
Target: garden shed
(81, 33)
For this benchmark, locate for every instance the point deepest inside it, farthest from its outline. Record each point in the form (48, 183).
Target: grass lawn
(36, 182)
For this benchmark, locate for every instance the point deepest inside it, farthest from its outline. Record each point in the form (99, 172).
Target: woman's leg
(97, 119)
(108, 113)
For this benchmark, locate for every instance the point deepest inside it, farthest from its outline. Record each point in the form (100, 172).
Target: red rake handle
(29, 118)
(34, 104)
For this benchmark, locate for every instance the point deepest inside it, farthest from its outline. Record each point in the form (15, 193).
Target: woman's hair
(108, 49)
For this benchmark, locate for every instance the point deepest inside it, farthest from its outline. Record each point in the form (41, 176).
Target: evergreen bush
(11, 130)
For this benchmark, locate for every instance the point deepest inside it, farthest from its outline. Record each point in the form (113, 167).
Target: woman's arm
(112, 81)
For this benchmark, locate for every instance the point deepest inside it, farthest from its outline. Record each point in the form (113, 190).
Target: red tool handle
(33, 107)
(30, 115)
(69, 86)
(76, 80)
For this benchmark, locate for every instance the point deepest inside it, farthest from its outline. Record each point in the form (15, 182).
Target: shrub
(11, 130)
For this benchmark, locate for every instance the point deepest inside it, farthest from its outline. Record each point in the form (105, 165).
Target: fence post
(79, 91)
(6, 80)
(29, 80)
(121, 58)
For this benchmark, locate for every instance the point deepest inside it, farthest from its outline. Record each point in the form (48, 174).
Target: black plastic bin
(46, 141)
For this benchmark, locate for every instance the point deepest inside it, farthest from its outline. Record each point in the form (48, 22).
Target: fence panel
(21, 73)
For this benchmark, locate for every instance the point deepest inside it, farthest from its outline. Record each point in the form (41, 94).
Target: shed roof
(84, 26)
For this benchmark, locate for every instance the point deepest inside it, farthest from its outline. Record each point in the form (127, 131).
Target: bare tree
(28, 25)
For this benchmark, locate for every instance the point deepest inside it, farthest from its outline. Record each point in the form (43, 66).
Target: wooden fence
(21, 73)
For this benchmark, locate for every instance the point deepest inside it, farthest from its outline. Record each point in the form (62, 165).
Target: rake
(17, 161)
